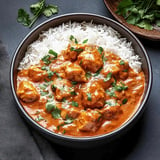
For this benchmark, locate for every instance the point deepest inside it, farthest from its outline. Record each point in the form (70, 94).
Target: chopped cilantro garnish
(122, 62)
(72, 38)
(88, 75)
(75, 104)
(89, 97)
(50, 106)
(111, 92)
(39, 118)
(56, 113)
(46, 59)
(124, 101)
(74, 82)
(43, 86)
(68, 119)
(45, 68)
(85, 41)
(125, 70)
(73, 93)
(53, 87)
(98, 72)
(50, 74)
(100, 50)
(108, 77)
(78, 50)
(53, 53)
(44, 93)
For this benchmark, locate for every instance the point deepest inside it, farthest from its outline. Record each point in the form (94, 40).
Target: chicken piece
(27, 92)
(59, 67)
(111, 112)
(124, 66)
(119, 69)
(75, 73)
(113, 68)
(93, 95)
(70, 112)
(36, 74)
(62, 88)
(89, 121)
(90, 59)
(72, 52)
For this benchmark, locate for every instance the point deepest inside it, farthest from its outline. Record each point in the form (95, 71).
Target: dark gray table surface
(18, 141)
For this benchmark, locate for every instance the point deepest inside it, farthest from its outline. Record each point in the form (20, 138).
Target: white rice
(57, 39)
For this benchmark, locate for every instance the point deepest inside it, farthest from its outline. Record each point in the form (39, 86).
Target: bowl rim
(75, 138)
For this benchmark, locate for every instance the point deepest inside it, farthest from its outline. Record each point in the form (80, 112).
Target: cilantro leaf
(75, 104)
(56, 113)
(39, 118)
(23, 17)
(108, 77)
(89, 97)
(37, 9)
(50, 10)
(53, 53)
(50, 106)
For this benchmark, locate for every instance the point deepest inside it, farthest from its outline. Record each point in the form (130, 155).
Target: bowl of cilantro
(141, 17)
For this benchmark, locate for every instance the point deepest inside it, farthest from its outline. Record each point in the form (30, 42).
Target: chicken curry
(83, 91)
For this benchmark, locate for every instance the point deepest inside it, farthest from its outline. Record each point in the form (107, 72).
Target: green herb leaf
(53, 87)
(158, 2)
(46, 59)
(50, 107)
(73, 93)
(72, 38)
(78, 50)
(140, 13)
(50, 74)
(108, 77)
(36, 9)
(158, 23)
(89, 97)
(100, 50)
(68, 120)
(111, 92)
(53, 53)
(75, 104)
(98, 72)
(45, 68)
(43, 93)
(145, 24)
(39, 118)
(124, 101)
(50, 10)
(88, 75)
(43, 86)
(122, 62)
(56, 113)
(74, 82)
(23, 17)
(125, 70)
(85, 41)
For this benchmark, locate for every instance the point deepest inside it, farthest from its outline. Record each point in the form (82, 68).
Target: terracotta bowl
(82, 141)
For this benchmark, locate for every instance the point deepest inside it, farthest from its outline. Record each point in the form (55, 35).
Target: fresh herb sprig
(144, 14)
(37, 9)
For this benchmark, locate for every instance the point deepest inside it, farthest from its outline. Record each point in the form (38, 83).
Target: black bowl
(79, 17)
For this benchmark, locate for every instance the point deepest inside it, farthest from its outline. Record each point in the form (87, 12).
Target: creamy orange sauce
(83, 91)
